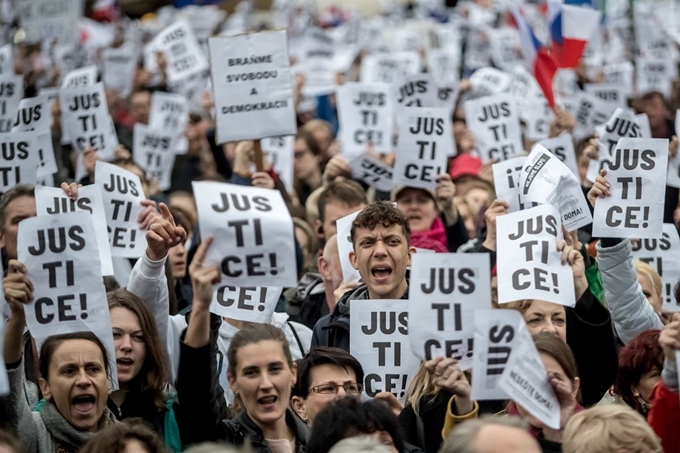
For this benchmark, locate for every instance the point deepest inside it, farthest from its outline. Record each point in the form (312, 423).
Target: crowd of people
(192, 380)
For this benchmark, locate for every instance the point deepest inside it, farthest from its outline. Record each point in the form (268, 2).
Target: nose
(125, 343)
(549, 327)
(380, 249)
(341, 392)
(266, 382)
(82, 379)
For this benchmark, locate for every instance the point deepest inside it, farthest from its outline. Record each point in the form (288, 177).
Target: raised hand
(163, 235)
(203, 277)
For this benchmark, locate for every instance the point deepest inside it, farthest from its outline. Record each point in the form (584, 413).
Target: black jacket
(432, 414)
(332, 330)
(199, 390)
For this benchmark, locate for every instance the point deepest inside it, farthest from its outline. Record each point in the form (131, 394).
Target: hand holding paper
(445, 192)
(17, 287)
(497, 208)
(573, 256)
(601, 188)
(562, 388)
(447, 374)
(163, 235)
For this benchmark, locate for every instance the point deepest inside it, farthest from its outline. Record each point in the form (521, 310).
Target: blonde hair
(421, 386)
(609, 429)
(645, 269)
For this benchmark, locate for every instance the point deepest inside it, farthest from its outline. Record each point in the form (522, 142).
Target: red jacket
(664, 417)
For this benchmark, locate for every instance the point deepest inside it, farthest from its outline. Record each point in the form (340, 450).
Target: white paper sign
(81, 77)
(345, 246)
(253, 234)
(614, 94)
(590, 111)
(378, 339)
(18, 160)
(506, 177)
(280, 151)
(373, 172)
(45, 20)
(60, 256)
(389, 68)
(119, 66)
(366, 115)
(53, 201)
(663, 255)
(85, 114)
(653, 74)
(621, 124)
(318, 63)
(674, 162)
(489, 81)
(245, 304)
(11, 92)
(562, 147)
(33, 114)
(547, 180)
(170, 112)
(425, 142)
(252, 86)
(495, 336)
(494, 122)
(529, 265)
(505, 48)
(181, 49)
(525, 381)
(418, 90)
(6, 60)
(122, 193)
(445, 290)
(637, 175)
(153, 150)
(444, 65)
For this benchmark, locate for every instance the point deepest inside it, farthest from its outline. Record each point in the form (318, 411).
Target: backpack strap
(297, 338)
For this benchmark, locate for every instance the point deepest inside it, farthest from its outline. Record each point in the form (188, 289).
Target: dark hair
(346, 191)
(348, 417)
(129, 162)
(20, 190)
(154, 374)
(255, 333)
(115, 438)
(182, 218)
(324, 356)
(640, 355)
(552, 345)
(381, 213)
(52, 343)
(310, 141)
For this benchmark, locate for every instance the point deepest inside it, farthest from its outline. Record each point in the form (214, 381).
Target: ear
(353, 260)
(299, 407)
(411, 251)
(318, 227)
(293, 373)
(323, 266)
(232, 384)
(2, 239)
(577, 385)
(45, 389)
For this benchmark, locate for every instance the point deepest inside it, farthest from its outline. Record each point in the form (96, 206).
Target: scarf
(432, 239)
(64, 434)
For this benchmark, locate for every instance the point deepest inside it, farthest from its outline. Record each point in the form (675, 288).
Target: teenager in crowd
(261, 374)
(131, 436)
(434, 219)
(324, 375)
(380, 236)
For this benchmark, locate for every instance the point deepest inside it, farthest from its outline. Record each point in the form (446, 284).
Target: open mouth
(267, 400)
(381, 272)
(124, 363)
(84, 403)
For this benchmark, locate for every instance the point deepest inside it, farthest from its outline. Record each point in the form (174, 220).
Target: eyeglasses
(331, 388)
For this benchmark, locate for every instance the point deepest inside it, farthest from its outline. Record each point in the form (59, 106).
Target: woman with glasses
(324, 375)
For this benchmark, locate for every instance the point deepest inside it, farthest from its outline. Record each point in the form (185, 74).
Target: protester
(324, 375)
(337, 200)
(489, 435)
(609, 429)
(359, 445)
(380, 237)
(261, 374)
(129, 436)
(307, 165)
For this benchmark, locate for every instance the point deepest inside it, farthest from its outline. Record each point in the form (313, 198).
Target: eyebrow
(127, 331)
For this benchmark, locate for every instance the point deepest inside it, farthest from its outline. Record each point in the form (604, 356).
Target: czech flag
(537, 56)
(571, 27)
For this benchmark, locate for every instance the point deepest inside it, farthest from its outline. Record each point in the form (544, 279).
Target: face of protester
(135, 446)
(140, 105)
(648, 289)
(551, 366)
(656, 111)
(647, 383)
(333, 211)
(177, 256)
(320, 376)
(305, 163)
(384, 438)
(17, 210)
(583, 164)
(77, 383)
(129, 342)
(479, 196)
(419, 207)
(381, 256)
(546, 317)
(263, 379)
